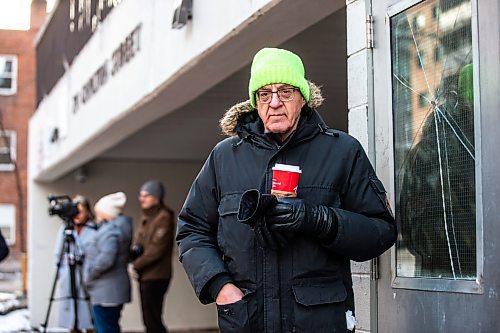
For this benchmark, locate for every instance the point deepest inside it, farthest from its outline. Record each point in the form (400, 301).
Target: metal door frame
(434, 284)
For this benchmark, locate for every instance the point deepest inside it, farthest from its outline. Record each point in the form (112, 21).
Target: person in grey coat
(106, 272)
(84, 230)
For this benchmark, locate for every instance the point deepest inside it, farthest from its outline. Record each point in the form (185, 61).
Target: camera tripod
(74, 257)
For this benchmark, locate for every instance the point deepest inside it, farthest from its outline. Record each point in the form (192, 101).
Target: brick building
(17, 104)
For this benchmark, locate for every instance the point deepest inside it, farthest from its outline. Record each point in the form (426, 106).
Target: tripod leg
(74, 293)
(59, 261)
(86, 297)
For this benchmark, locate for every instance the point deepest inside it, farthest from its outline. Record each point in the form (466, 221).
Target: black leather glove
(293, 214)
(136, 251)
(251, 211)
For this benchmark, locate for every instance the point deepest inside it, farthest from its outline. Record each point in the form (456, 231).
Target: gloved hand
(136, 251)
(252, 208)
(294, 214)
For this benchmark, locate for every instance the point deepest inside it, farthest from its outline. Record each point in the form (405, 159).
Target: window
(419, 22)
(434, 154)
(8, 75)
(449, 4)
(435, 12)
(7, 150)
(8, 222)
(438, 54)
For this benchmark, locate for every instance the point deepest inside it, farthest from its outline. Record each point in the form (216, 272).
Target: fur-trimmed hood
(230, 119)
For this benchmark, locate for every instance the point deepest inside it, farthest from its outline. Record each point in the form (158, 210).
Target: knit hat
(111, 204)
(272, 65)
(155, 188)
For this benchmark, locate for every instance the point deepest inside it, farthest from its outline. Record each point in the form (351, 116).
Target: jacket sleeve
(366, 226)
(197, 232)
(158, 244)
(107, 247)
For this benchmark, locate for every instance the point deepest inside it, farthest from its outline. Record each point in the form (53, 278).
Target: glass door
(426, 115)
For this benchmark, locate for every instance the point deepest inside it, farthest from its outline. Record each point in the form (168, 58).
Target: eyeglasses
(284, 94)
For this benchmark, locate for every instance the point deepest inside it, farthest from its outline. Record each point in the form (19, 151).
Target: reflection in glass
(434, 151)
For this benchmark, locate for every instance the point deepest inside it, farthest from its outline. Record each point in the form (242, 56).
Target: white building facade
(139, 100)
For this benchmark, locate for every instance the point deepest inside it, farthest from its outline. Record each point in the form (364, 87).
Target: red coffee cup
(285, 180)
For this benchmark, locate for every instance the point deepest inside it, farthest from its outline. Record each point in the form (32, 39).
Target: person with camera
(83, 230)
(152, 253)
(106, 274)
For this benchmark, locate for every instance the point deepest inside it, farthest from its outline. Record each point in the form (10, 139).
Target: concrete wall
(182, 308)
(358, 102)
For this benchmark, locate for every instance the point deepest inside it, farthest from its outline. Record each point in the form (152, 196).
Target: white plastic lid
(286, 167)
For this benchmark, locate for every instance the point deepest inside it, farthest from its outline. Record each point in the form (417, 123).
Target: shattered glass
(434, 150)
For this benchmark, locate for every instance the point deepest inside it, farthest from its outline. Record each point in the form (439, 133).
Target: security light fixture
(183, 11)
(54, 136)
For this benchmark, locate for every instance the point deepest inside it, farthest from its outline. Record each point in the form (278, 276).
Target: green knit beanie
(271, 65)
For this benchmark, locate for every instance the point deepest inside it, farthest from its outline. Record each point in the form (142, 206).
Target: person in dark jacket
(287, 269)
(152, 246)
(4, 248)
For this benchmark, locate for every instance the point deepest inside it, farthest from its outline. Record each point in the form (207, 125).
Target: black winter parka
(307, 286)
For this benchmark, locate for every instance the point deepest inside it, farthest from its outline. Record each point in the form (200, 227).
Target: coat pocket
(235, 239)
(227, 210)
(319, 306)
(235, 317)
(319, 195)
(229, 204)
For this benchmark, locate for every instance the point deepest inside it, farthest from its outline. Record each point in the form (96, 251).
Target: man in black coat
(282, 264)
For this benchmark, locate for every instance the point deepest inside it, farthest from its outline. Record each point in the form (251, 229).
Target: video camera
(63, 206)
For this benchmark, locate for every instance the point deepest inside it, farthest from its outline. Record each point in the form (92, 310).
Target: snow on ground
(14, 317)
(8, 302)
(15, 321)
(19, 321)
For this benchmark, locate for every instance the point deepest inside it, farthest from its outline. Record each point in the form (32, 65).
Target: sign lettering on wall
(122, 55)
(89, 13)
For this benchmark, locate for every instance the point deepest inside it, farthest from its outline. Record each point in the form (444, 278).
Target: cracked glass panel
(434, 151)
